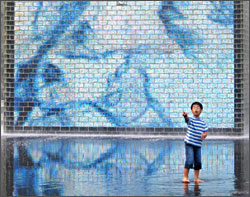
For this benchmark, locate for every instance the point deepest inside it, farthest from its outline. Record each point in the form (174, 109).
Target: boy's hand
(204, 135)
(184, 114)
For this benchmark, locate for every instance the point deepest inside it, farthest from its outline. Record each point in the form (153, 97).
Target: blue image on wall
(99, 64)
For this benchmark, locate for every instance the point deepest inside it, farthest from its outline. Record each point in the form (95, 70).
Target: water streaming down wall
(246, 68)
(103, 67)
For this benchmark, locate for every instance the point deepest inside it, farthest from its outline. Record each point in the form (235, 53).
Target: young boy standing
(196, 132)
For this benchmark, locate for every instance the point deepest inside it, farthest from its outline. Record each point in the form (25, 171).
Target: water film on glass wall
(80, 64)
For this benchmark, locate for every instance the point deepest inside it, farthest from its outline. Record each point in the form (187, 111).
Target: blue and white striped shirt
(196, 127)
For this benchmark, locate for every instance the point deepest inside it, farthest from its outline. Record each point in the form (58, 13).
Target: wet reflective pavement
(120, 167)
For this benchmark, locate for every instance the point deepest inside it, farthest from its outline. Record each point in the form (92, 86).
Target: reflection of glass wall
(115, 166)
(141, 64)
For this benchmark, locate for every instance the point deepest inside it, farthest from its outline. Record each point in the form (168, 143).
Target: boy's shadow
(188, 192)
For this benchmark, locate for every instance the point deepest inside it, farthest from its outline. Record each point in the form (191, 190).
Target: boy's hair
(197, 103)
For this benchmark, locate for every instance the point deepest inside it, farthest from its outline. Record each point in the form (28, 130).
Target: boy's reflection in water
(195, 192)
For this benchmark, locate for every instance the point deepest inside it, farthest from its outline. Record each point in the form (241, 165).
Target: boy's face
(196, 110)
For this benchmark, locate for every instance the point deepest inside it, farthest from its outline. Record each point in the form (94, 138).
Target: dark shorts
(193, 157)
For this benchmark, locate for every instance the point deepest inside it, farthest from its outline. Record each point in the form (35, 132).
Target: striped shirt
(196, 127)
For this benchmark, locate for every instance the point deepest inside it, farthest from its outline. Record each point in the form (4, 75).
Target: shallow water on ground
(120, 167)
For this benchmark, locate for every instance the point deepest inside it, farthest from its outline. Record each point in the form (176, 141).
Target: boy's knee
(189, 164)
(197, 166)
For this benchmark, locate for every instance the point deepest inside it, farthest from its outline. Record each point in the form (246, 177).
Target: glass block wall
(122, 64)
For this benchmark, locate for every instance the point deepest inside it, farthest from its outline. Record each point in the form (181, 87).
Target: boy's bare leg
(196, 177)
(185, 178)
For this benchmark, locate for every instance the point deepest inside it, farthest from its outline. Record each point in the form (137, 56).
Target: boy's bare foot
(198, 181)
(185, 180)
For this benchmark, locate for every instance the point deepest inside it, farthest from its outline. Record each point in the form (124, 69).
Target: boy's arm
(204, 134)
(185, 117)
